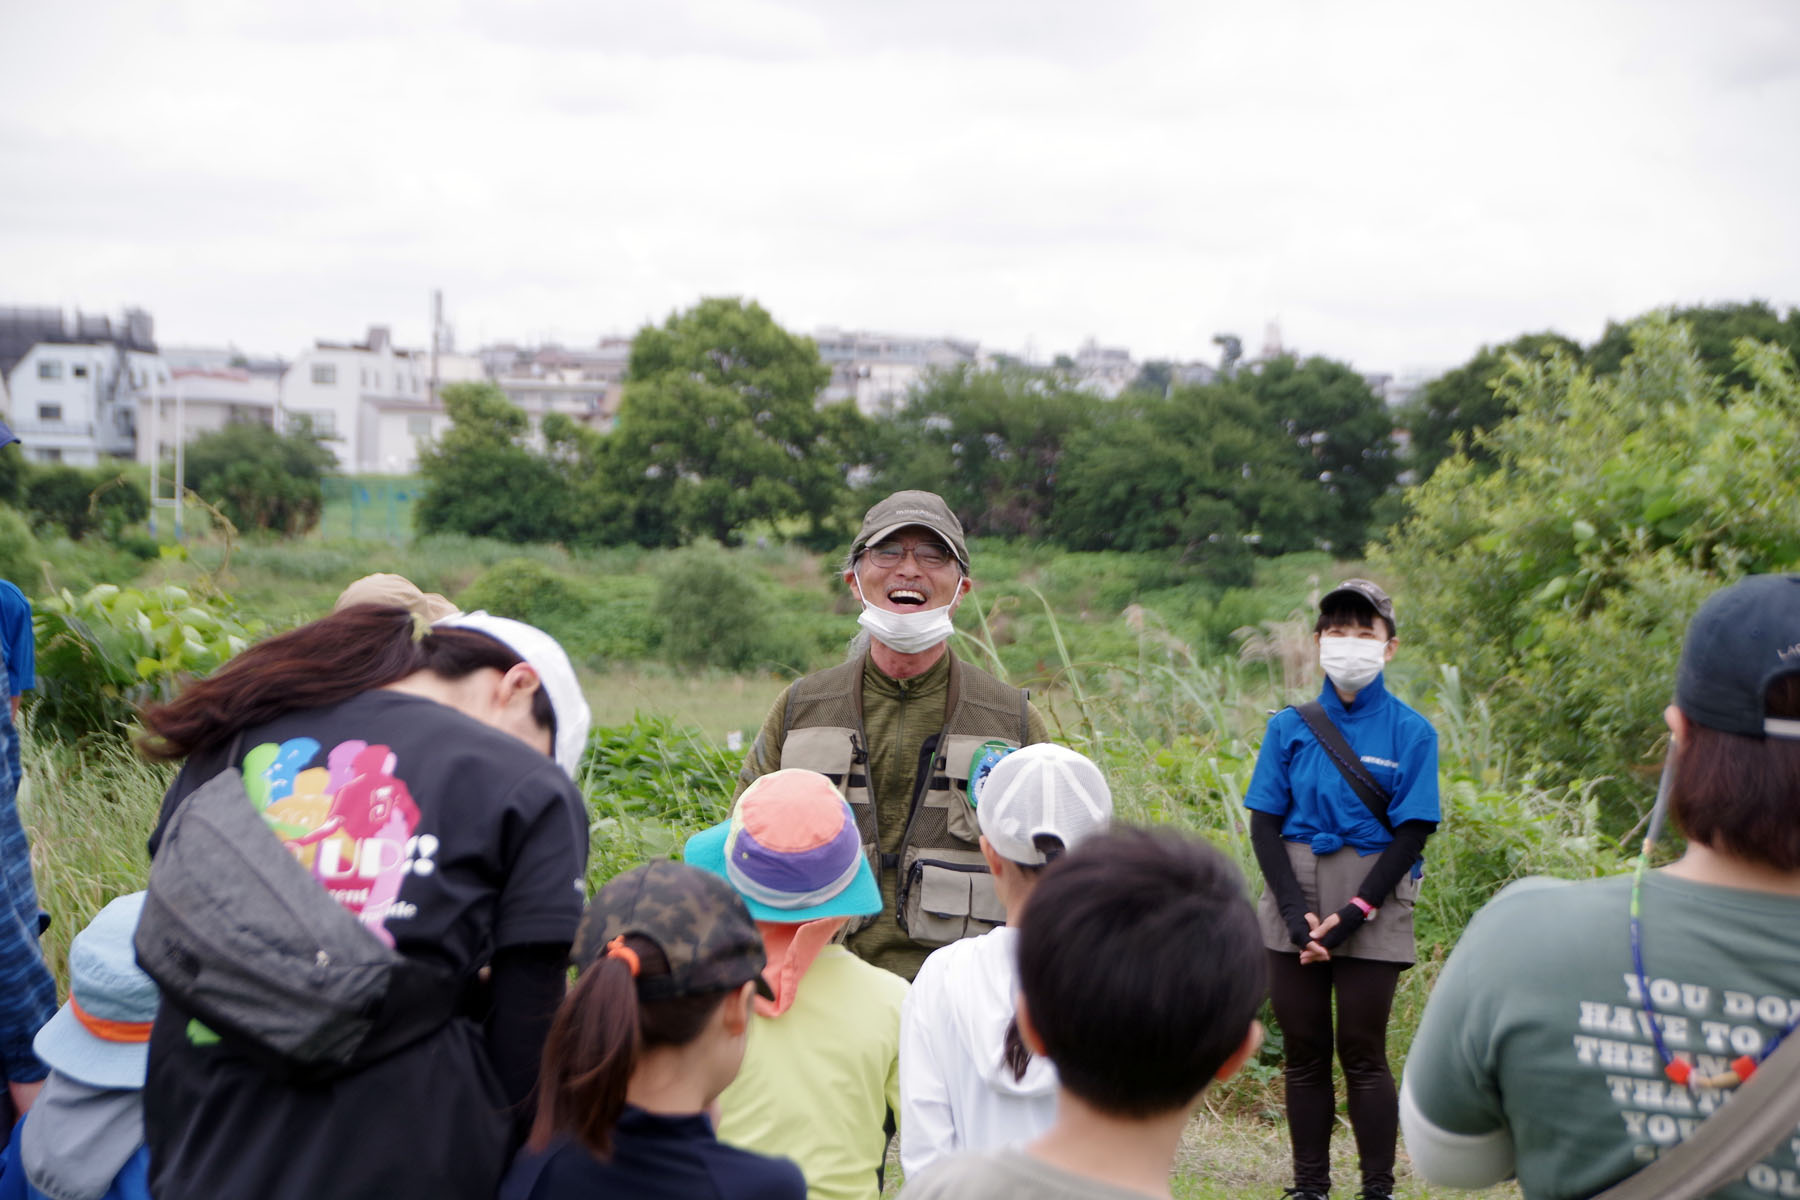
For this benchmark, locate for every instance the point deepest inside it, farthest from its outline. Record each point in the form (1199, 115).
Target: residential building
(204, 400)
(75, 385)
(371, 399)
(877, 370)
(1104, 370)
(587, 384)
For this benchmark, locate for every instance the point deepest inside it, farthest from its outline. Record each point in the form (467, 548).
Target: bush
(78, 501)
(19, 554)
(261, 479)
(1562, 581)
(104, 653)
(596, 622)
(650, 785)
(714, 614)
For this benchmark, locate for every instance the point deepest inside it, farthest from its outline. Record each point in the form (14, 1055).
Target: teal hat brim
(706, 850)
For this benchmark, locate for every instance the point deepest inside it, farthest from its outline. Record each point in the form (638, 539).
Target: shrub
(104, 653)
(714, 614)
(596, 622)
(259, 478)
(78, 501)
(650, 785)
(19, 554)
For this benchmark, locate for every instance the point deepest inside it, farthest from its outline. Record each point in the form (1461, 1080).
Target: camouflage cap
(1367, 591)
(902, 509)
(696, 919)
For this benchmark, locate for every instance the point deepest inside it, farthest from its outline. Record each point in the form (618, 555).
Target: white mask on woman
(905, 633)
(1352, 663)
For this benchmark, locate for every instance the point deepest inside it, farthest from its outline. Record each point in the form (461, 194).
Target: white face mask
(904, 633)
(1352, 663)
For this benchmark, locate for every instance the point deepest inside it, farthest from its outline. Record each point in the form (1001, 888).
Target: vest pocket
(948, 896)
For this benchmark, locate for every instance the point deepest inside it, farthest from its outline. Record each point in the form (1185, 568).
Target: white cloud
(1395, 181)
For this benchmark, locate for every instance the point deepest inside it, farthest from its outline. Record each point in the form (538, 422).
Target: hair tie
(421, 625)
(619, 950)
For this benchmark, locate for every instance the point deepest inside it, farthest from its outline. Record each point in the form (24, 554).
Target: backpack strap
(1762, 1113)
(1367, 788)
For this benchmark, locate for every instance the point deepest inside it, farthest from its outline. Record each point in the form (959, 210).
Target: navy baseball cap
(7, 436)
(1740, 641)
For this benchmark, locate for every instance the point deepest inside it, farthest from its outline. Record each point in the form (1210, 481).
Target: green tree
(259, 478)
(1339, 439)
(1452, 409)
(483, 479)
(719, 428)
(990, 442)
(1560, 580)
(1715, 330)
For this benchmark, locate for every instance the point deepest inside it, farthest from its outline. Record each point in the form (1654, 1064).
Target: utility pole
(437, 324)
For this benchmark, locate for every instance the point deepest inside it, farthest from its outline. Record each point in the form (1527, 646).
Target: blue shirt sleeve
(1416, 796)
(1269, 789)
(15, 629)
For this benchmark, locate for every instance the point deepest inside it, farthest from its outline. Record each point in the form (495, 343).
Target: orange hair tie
(129, 1032)
(619, 950)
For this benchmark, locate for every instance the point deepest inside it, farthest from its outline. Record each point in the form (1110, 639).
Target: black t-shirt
(450, 840)
(654, 1157)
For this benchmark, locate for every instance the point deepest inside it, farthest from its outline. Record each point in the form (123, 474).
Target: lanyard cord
(1680, 1070)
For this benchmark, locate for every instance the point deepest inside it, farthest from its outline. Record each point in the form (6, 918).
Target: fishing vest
(945, 891)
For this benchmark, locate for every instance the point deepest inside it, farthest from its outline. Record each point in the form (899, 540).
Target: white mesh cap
(542, 653)
(1042, 789)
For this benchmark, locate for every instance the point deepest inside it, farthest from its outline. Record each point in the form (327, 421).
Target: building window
(322, 420)
(49, 412)
(49, 370)
(418, 426)
(80, 372)
(50, 454)
(325, 375)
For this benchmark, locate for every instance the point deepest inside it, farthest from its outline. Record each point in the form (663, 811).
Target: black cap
(1737, 644)
(1384, 607)
(697, 920)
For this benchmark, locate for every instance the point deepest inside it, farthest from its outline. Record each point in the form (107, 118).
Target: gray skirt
(1328, 881)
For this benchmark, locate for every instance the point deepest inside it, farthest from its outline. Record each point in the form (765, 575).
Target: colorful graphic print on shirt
(350, 822)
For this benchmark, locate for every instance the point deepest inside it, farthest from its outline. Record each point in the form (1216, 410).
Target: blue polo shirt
(15, 633)
(1296, 780)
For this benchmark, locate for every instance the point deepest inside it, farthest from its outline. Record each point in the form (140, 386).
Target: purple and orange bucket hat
(791, 850)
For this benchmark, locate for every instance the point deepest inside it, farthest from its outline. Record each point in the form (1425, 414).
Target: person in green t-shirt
(1549, 1048)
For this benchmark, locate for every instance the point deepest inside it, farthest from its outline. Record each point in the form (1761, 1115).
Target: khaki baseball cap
(395, 591)
(904, 509)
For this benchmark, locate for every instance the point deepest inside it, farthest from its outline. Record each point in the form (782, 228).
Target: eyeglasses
(928, 555)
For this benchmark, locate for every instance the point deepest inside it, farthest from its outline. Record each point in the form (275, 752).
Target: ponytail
(588, 1059)
(354, 650)
(1015, 1055)
(598, 1036)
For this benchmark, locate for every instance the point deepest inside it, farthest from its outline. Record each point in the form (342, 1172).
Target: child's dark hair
(1348, 608)
(1737, 794)
(354, 650)
(595, 1039)
(1142, 968)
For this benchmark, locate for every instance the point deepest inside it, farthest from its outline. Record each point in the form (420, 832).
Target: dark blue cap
(1740, 641)
(7, 436)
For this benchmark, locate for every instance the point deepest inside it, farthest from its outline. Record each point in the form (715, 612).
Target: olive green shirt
(898, 715)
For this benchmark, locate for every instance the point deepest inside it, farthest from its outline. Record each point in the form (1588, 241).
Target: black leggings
(1301, 995)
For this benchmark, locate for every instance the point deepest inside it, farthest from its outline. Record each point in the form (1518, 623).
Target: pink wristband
(1368, 910)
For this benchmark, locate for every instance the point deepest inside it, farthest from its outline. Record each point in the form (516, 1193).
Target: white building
(372, 400)
(877, 370)
(204, 400)
(75, 387)
(1104, 370)
(586, 384)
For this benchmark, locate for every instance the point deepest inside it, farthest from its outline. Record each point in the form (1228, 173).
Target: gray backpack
(238, 934)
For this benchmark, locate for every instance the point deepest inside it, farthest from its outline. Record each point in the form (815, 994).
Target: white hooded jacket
(956, 1093)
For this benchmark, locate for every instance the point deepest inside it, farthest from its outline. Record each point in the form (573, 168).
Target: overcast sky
(1395, 183)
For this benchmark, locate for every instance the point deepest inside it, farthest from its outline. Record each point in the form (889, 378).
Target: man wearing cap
(84, 1138)
(897, 727)
(1344, 794)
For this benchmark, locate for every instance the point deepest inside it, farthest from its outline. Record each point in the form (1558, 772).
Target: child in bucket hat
(641, 1047)
(84, 1137)
(966, 1080)
(821, 1077)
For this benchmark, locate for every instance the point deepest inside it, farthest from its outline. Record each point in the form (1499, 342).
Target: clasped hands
(1318, 938)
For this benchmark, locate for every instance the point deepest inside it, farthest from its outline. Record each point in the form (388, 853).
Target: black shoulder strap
(1367, 788)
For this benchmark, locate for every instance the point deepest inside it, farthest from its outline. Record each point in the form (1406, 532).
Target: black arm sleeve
(526, 985)
(1278, 873)
(1395, 860)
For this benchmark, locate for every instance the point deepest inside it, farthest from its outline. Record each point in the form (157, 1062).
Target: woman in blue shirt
(1330, 866)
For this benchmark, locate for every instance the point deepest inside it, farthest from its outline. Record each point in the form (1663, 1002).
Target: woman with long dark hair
(409, 769)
